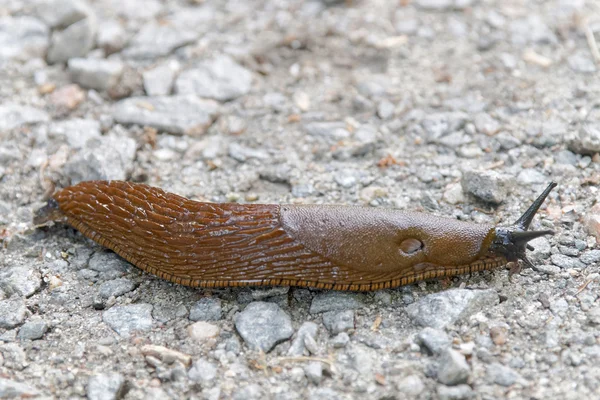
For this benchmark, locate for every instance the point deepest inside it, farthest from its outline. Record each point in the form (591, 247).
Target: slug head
(49, 212)
(511, 241)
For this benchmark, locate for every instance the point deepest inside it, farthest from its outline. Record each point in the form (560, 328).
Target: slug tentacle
(511, 241)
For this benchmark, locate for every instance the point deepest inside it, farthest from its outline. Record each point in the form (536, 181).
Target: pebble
(12, 312)
(166, 355)
(530, 176)
(340, 340)
(249, 392)
(181, 115)
(116, 287)
(593, 316)
(298, 347)
(76, 132)
(108, 264)
(242, 153)
(158, 81)
(328, 130)
(454, 194)
(590, 257)
(109, 386)
(438, 310)
(206, 309)
(14, 115)
(335, 301)
(502, 375)
(385, 109)
(338, 321)
(411, 386)
(434, 340)
(23, 281)
(74, 41)
(10, 389)
(219, 78)
(203, 372)
(441, 5)
(156, 40)
(168, 312)
(489, 186)
(67, 98)
(453, 369)
(111, 37)
(314, 372)
(95, 73)
(33, 330)
(566, 262)
(458, 392)
(439, 125)
(587, 139)
(14, 356)
(127, 319)
(498, 335)
(302, 101)
(102, 158)
(61, 13)
(581, 62)
(22, 38)
(262, 325)
(202, 331)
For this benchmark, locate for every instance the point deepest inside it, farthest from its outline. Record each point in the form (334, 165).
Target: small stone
(249, 392)
(346, 178)
(116, 287)
(262, 325)
(219, 78)
(128, 319)
(587, 139)
(439, 125)
(459, 392)
(168, 312)
(22, 38)
(302, 101)
(385, 110)
(156, 40)
(441, 5)
(206, 309)
(13, 115)
(202, 331)
(67, 98)
(314, 372)
(108, 264)
(112, 37)
(530, 176)
(434, 340)
(298, 346)
(10, 389)
(566, 262)
(338, 321)
(581, 62)
(242, 153)
(75, 41)
(33, 330)
(61, 13)
(593, 316)
(23, 281)
(590, 257)
(486, 124)
(453, 369)
(335, 301)
(102, 158)
(454, 194)
(76, 132)
(166, 355)
(203, 372)
(341, 340)
(181, 115)
(502, 375)
(12, 312)
(158, 81)
(411, 386)
(95, 73)
(441, 309)
(498, 335)
(489, 186)
(328, 130)
(275, 101)
(105, 386)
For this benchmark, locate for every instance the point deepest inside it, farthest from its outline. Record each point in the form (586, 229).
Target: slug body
(331, 247)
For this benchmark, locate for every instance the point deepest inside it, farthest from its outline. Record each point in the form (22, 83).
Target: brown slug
(330, 247)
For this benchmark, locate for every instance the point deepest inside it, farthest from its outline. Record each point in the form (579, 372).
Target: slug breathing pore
(329, 247)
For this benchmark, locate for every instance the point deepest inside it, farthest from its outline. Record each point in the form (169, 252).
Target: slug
(329, 247)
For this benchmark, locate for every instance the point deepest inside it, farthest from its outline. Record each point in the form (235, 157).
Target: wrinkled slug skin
(215, 245)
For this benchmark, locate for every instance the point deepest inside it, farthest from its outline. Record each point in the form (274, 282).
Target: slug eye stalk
(511, 241)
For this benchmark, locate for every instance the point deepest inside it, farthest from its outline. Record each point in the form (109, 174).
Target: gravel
(206, 309)
(105, 386)
(127, 319)
(95, 74)
(453, 369)
(262, 325)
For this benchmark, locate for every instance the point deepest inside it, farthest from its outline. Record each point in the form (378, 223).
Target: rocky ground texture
(461, 108)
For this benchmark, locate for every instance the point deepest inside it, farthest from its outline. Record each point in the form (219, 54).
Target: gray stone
(443, 5)
(338, 321)
(328, 130)
(108, 264)
(314, 372)
(502, 375)
(590, 257)
(33, 330)
(507, 141)
(23, 281)
(116, 288)
(157, 40)
(489, 186)
(22, 38)
(385, 109)
(219, 78)
(249, 392)
(581, 62)
(275, 101)
(182, 115)
(242, 153)
(261, 293)
(459, 392)
(263, 325)
(439, 125)
(76, 132)
(93, 73)
(206, 309)
(298, 346)
(340, 340)
(441, 309)
(335, 301)
(411, 386)
(129, 318)
(202, 331)
(593, 315)
(158, 81)
(10, 389)
(105, 386)
(61, 13)
(453, 369)
(566, 262)
(587, 139)
(203, 372)
(75, 41)
(486, 124)
(434, 340)
(168, 312)
(13, 115)
(12, 312)
(111, 37)
(14, 356)
(103, 158)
